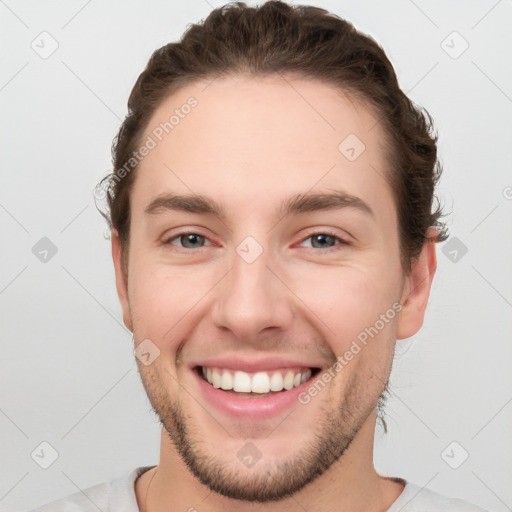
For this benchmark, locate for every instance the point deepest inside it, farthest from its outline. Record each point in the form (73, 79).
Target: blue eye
(325, 241)
(321, 240)
(189, 240)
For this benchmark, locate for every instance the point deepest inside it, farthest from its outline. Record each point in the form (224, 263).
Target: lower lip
(250, 408)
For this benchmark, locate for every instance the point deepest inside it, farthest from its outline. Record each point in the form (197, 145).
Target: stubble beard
(267, 481)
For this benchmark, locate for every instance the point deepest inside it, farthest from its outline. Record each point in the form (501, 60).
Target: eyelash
(341, 241)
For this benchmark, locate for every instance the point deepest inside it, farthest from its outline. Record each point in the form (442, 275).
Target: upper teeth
(260, 382)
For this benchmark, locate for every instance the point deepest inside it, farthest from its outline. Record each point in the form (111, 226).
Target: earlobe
(121, 281)
(417, 289)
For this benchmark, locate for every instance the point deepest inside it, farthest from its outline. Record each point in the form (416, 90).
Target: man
(272, 237)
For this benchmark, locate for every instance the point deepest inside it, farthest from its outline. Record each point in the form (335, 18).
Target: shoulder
(118, 494)
(420, 499)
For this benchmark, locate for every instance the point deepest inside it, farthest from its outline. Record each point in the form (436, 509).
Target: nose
(252, 298)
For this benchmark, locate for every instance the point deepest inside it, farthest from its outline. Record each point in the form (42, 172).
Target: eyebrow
(300, 203)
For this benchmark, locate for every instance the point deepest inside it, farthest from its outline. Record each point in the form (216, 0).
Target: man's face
(260, 292)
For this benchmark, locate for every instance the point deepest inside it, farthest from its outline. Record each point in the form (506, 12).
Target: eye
(188, 240)
(325, 240)
(321, 240)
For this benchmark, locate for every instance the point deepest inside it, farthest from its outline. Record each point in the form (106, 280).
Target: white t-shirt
(119, 496)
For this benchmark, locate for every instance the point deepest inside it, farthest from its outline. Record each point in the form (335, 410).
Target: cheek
(350, 302)
(161, 298)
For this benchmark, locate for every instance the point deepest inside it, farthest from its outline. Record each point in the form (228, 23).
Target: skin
(250, 144)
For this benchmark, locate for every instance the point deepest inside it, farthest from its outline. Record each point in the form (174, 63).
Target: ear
(121, 278)
(416, 289)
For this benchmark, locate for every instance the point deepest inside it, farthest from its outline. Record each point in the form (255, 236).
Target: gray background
(68, 376)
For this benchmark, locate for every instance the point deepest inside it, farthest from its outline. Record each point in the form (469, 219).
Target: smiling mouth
(256, 385)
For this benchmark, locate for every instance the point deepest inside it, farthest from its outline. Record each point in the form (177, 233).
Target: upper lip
(253, 365)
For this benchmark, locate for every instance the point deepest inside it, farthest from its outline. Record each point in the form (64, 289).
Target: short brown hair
(308, 42)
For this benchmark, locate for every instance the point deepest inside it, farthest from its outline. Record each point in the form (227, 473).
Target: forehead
(239, 136)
